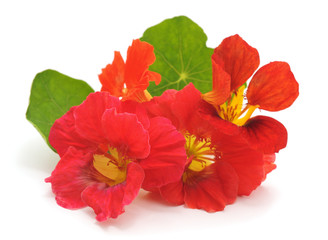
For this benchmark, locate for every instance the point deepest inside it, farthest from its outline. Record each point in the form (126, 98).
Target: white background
(78, 38)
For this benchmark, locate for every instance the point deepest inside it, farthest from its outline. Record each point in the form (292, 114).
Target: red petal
(178, 106)
(247, 162)
(153, 76)
(161, 106)
(139, 109)
(238, 59)
(112, 77)
(265, 134)
(108, 202)
(215, 187)
(105, 201)
(221, 84)
(123, 130)
(186, 99)
(70, 178)
(248, 165)
(167, 158)
(273, 87)
(173, 192)
(185, 107)
(134, 179)
(269, 163)
(140, 56)
(228, 179)
(63, 135)
(88, 115)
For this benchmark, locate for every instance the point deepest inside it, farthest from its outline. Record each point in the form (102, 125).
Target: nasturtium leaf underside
(52, 95)
(181, 55)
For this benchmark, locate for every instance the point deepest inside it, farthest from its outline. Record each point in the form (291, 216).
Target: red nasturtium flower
(273, 88)
(130, 80)
(218, 166)
(109, 149)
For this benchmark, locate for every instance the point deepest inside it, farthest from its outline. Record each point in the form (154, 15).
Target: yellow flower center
(111, 166)
(234, 110)
(199, 153)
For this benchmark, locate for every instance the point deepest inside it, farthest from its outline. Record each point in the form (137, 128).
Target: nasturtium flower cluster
(201, 150)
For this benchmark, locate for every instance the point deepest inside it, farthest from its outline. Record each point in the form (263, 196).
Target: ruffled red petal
(124, 132)
(112, 77)
(140, 56)
(273, 87)
(70, 178)
(108, 202)
(88, 115)
(105, 201)
(265, 134)
(137, 108)
(167, 158)
(212, 188)
(238, 59)
(221, 83)
(63, 135)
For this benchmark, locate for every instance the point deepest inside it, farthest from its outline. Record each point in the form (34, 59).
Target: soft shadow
(258, 204)
(35, 154)
(124, 221)
(154, 198)
(146, 205)
(263, 196)
(150, 207)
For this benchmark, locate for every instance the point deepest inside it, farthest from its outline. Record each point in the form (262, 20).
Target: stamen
(199, 152)
(243, 120)
(234, 109)
(141, 96)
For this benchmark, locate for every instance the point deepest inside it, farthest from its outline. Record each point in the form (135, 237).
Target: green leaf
(52, 95)
(181, 55)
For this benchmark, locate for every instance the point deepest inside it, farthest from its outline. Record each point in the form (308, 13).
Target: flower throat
(111, 166)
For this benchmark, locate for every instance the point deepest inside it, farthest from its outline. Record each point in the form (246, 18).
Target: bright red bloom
(273, 88)
(130, 80)
(109, 150)
(219, 166)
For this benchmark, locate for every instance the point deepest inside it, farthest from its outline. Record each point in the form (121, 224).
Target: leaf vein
(167, 62)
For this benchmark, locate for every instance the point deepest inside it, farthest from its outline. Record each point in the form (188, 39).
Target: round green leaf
(181, 55)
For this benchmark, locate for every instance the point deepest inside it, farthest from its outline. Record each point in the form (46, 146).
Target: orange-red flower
(273, 87)
(130, 80)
